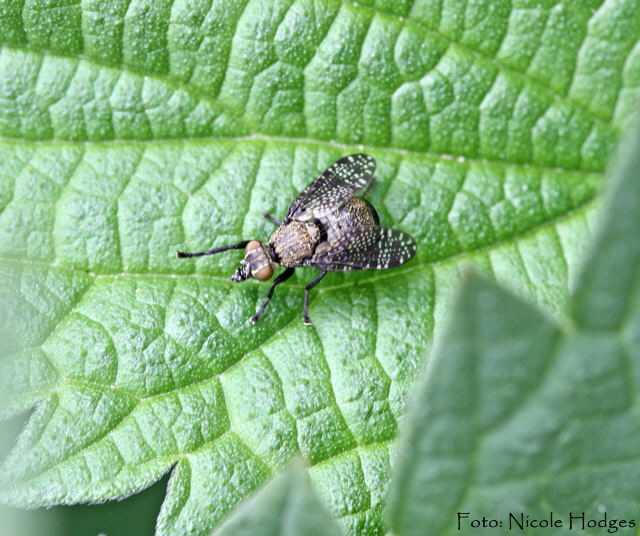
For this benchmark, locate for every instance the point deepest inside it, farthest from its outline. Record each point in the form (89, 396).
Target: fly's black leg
(212, 251)
(273, 220)
(305, 313)
(282, 277)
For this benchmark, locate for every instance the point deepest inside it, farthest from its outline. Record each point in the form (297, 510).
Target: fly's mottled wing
(338, 183)
(366, 248)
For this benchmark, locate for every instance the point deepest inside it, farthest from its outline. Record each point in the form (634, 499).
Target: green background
(129, 130)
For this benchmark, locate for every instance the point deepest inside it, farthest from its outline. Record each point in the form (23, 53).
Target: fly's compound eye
(253, 244)
(264, 272)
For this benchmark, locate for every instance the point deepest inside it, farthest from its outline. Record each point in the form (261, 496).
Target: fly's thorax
(294, 241)
(256, 263)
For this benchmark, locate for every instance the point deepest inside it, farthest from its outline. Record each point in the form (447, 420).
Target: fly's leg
(273, 220)
(367, 188)
(282, 277)
(212, 251)
(305, 313)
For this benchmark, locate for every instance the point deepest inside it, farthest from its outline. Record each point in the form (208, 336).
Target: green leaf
(129, 130)
(286, 506)
(519, 417)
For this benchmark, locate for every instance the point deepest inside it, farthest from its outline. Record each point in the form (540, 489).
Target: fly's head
(256, 263)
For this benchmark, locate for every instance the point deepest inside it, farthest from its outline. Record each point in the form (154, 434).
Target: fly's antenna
(212, 251)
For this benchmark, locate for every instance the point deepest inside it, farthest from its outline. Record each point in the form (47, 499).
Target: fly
(326, 227)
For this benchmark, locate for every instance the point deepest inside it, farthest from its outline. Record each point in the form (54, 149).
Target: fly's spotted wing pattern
(366, 248)
(330, 190)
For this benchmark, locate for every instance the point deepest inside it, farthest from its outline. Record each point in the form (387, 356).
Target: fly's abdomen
(356, 212)
(359, 212)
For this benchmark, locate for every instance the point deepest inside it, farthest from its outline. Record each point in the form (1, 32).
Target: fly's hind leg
(272, 219)
(365, 193)
(305, 313)
(282, 277)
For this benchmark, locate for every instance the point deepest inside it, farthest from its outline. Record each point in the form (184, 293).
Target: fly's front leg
(212, 251)
(273, 220)
(282, 277)
(305, 313)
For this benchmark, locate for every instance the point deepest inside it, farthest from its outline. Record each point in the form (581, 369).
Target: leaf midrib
(345, 147)
(551, 222)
